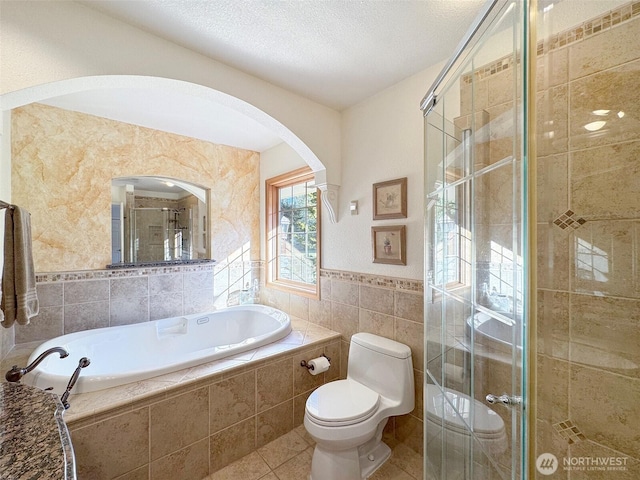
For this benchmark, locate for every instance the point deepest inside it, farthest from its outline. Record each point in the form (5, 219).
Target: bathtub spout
(16, 373)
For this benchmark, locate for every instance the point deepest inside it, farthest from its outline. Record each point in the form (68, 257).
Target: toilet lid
(485, 420)
(342, 402)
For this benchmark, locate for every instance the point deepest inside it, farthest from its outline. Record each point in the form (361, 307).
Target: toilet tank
(384, 366)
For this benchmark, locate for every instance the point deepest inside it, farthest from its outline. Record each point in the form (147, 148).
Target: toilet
(449, 410)
(346, 417)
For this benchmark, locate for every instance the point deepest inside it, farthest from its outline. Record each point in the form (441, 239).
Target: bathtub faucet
(16, 373)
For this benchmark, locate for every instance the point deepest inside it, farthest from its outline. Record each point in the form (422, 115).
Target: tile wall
(190, 432)
(70, 302)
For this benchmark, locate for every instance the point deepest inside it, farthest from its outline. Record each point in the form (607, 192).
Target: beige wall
(63, 163)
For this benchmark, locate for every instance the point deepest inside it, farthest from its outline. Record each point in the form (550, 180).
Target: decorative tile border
(45, 277)
(562, 39)
(375, 280)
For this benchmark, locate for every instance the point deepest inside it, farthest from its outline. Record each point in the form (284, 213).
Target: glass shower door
(475, 257)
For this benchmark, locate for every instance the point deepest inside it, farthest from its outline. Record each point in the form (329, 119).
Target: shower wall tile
(165, 284)
(552, 121)
(84, 316)
(553, 257)
(500, 87)
(86, 291)
(49, 323)
(605, 333)
(553, 180)
(377, 299)
(502, 131)
(553, 323)
(553, 400)
(605, 407)
(598, 172)
(552, 69)
(190, 462)
(608, 90)
(630, 470)
(50, 294)
(178, 422)
(141, 473)
(474, 97)
(129, 311)
(123, 288)
(605, 258)
(605, 50)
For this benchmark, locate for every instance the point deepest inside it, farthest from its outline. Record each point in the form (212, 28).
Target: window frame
(272, 211)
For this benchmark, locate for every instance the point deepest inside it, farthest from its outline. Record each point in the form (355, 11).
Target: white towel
(19, 298)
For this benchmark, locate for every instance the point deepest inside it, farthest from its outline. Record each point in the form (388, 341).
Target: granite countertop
(34, 440)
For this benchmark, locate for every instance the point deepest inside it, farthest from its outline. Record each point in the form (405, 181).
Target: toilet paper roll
(318, 365)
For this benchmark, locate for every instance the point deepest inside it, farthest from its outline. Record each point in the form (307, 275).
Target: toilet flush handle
(503, 399)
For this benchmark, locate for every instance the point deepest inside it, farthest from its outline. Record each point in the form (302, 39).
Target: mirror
(156, 220)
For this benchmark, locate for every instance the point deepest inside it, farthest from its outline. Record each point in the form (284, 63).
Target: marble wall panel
(52, 147)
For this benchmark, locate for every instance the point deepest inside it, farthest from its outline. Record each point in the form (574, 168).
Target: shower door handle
(503, 399)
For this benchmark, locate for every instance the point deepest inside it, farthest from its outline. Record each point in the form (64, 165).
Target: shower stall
(161, 234)
(532, 258)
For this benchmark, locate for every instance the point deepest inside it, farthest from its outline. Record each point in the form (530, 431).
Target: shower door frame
(487, 15)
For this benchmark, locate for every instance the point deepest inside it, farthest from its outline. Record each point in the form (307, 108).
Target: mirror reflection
(157, 219)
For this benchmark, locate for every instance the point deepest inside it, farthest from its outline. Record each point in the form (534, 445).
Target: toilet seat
(342, 402)
(487, 424)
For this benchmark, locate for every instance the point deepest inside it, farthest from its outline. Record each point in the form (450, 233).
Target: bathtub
(131, 353)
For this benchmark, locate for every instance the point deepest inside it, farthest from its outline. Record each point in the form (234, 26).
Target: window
(293, 232)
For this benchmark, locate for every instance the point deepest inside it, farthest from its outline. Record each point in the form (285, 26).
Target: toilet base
(348, 464)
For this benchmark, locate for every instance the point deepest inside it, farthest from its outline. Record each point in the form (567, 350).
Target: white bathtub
(131, 353)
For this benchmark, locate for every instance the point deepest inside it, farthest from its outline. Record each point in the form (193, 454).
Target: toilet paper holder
(304, 363)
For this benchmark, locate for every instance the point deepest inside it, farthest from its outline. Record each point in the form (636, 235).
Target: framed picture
(389, 244)
(390, 199)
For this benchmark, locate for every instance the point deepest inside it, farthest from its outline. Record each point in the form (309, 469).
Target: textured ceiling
(336, 52)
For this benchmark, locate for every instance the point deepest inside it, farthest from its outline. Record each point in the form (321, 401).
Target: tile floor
(289, 458)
